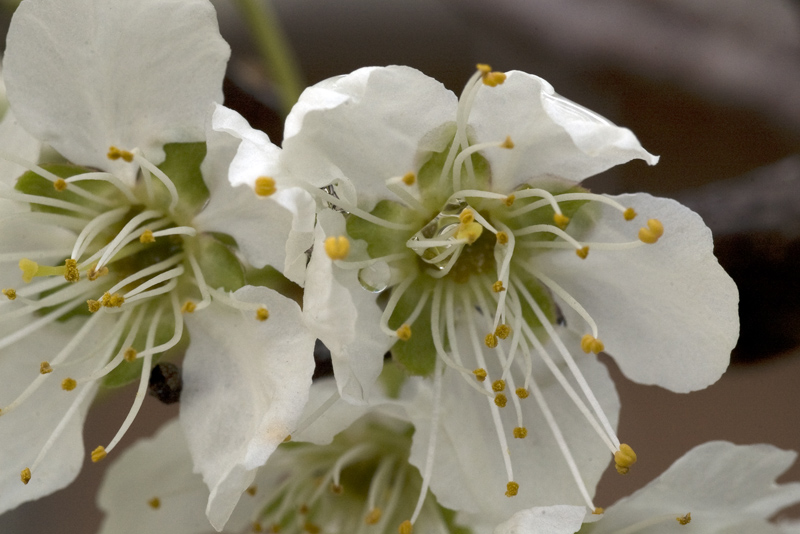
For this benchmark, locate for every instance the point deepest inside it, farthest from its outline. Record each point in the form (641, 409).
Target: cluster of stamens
(127, 267)
(454, 248)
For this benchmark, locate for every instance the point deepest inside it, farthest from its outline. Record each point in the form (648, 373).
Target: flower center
(134, 265)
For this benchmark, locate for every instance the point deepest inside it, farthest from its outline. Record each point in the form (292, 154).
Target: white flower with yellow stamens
(359, 481)
(123, 260)
(456, 234)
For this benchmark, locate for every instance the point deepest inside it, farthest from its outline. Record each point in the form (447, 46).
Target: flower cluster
(145, 221)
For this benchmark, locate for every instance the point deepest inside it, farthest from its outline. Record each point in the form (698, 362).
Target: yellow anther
(405, 527)
(497, 287)
(483, 68)
(147, 237)
(561, 220)
(112, 301)
(25, 476)
(502, 238)
(490, 340)
(624, 458)
(130, 354)
(154, 503)
(262, 314)
(311, 528)
(582, 252)
(591, 344)
(265, 186)
(520, 432)
(685, 520)
(336, 489)
(337, 247)
(500, 400)
(252, 490)
(93, 274)
(188, 307)
(652, 233)
(303, 509)
(499, 385)
(466, 216)
(511, 489)
(68, 384)
(493, 79)
(598, 511)
(115, 153)
(522, 393)
(480, 374)
(288, 438)
(508, 143)
(373, 516)
(99, 454)
(29, 269)
(71, 272)
(509, 201)
(409, 178)
(44, 368)
(94, 305)
(629, 214)
(10, 294)
(470, 232)
(502, 331)
(60, 185)
(404, 332)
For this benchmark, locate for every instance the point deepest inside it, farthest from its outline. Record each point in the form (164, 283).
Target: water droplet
(375, 278)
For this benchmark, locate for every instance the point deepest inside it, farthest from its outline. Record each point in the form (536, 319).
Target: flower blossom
(454, 233)
(343, 473)
(714, 488)
(128, 246)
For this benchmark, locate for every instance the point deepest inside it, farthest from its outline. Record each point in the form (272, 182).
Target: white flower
(714, 488)
(359, 481)
(468, 210)
(118, 253)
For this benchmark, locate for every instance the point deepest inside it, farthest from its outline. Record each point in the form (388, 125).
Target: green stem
(275, 50)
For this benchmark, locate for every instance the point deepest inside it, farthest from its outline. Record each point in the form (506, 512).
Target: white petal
(552, 135)
(726, 487)
(16, 141)
(666, 312)
(83, 75)
(366, 127)
(544, 520)
(344, 316)
(469, 472)
(159, 467)
(275, 230)
(246, 383)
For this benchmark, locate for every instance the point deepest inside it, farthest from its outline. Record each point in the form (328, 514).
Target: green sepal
(272, 278)
(449, 517)
(182, 166)
(382, 241)
(418, 354)
(220, 266)
(31, 183)
(392, 378)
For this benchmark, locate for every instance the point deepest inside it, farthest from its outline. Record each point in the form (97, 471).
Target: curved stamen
(587, 391)
(131, 227)
(431, 453)
(10, 194)
(163, 277)
(568, 299)
(105, 177)
(394, 299)
(147, 168)
(93, 229)
(346, 206)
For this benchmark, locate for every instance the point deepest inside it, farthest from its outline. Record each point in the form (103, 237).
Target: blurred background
(712, 86)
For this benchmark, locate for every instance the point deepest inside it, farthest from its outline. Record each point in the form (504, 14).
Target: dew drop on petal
(375, 278)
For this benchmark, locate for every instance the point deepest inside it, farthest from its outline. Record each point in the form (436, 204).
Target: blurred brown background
(710, 85)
